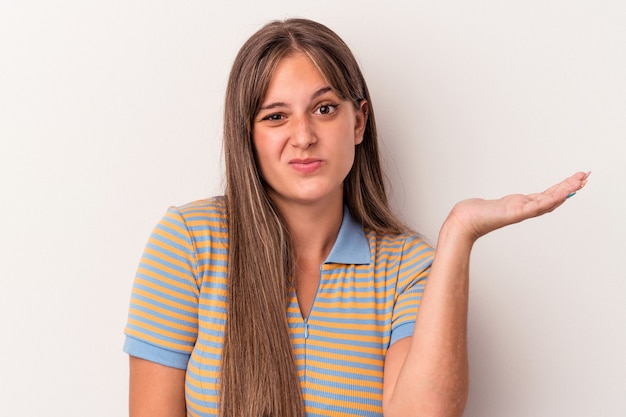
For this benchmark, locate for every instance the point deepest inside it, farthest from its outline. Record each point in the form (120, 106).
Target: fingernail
(571, 195)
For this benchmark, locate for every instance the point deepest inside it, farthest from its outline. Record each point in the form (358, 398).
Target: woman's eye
(326, 109)
(273, 117)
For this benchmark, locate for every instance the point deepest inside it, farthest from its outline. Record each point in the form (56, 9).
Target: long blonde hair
(258, 375)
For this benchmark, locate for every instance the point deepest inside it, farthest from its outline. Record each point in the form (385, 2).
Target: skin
(156, 390)
(304, 137)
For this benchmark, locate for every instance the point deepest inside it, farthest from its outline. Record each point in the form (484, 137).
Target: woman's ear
(361, 121)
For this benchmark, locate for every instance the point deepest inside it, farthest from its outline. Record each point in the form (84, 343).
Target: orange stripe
(156, 288)
(170, 313)
(179, 347)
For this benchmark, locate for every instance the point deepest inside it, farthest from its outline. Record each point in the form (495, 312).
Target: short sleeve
(415, 262)
(163, 315)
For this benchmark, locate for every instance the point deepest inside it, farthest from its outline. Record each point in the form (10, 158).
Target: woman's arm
(156, 390)
(427, 374)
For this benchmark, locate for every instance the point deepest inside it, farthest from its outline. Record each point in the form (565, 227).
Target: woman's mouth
(307, 165)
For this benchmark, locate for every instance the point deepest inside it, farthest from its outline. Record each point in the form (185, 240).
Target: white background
(110, 111)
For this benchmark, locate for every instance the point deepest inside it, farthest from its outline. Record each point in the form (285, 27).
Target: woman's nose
(303, 135)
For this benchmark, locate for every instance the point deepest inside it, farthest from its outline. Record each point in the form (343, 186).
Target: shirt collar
(351, 246)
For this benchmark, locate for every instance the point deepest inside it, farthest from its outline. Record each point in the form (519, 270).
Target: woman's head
(247, 86)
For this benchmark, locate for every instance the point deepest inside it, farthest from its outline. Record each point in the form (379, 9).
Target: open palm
(476, 217)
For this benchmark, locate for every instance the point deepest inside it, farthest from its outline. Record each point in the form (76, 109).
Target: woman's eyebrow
(320, 92)
(273, 105)
(315, 95)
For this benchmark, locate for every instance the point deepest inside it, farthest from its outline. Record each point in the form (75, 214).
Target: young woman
(297, 292)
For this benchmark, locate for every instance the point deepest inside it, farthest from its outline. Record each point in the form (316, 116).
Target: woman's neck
(313, 229)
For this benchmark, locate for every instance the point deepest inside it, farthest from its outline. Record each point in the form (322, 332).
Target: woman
(297, 292)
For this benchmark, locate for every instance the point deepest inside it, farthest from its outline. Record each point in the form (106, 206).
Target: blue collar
(351, 246)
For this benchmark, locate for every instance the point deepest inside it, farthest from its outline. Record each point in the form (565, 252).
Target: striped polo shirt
(369, 293)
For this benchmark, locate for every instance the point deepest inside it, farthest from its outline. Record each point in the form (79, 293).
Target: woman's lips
(305, 165)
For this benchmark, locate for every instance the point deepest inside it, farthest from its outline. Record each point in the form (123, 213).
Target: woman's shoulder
(200, 214)
(409, 249)
(399, 239)
(210, 206)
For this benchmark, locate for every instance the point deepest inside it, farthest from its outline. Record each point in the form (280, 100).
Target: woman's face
(305, 135)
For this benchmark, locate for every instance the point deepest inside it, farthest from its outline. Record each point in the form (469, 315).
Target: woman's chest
(339, 348)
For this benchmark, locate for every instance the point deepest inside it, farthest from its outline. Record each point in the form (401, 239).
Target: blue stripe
(159, 336)
(347, 344)
(219, 244)
(344, 386)
(212, 356)
(165, 263)
(167, 226)
(166, 241)
(342, 301)
(215, 333)
(346, 410)
(168, 357)
(175, 300)
(162, 316)
(341, 317)
(196, 411)
(212, 319)
(350, 358)
(210, 273)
